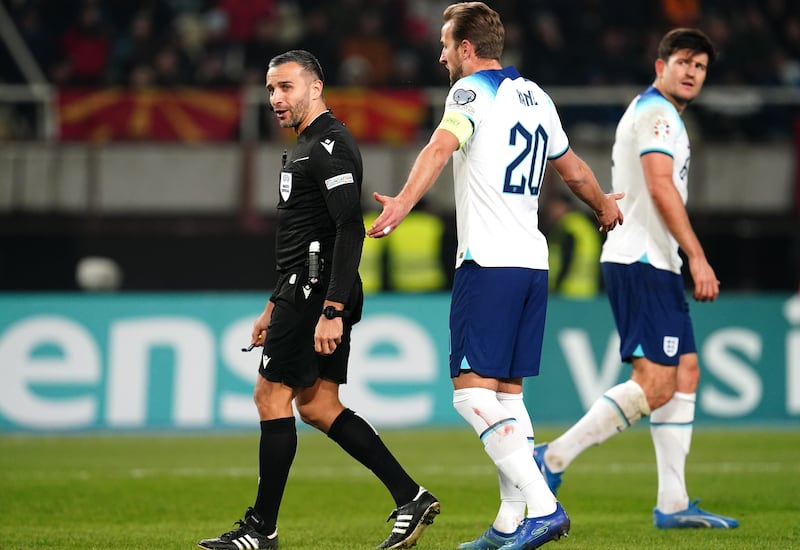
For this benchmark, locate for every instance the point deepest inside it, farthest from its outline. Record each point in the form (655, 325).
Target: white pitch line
(357, 471)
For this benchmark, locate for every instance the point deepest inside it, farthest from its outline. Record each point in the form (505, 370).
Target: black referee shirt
(320, 200)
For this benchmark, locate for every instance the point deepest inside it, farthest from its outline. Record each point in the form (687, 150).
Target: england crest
(671, 345)
(286, 185)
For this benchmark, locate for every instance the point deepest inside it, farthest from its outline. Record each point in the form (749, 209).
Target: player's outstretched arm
(426, 169)
(581, 181)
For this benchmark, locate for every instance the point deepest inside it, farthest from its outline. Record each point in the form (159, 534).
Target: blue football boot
(491, 539)
(693, 516)
(553, 479)
(534, 532)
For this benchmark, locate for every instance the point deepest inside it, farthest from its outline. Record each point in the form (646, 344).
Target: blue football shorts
(651, 312)
(497, 317)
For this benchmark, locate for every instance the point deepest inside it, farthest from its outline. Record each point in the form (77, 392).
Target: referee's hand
(328, 335)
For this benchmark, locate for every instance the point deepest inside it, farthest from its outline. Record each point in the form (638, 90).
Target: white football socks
(618, 409)
(671, 430)
(506, 445)
(512, 503)
(514, 403)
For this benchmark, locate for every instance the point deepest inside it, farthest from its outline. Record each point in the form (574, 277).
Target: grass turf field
(168, 491)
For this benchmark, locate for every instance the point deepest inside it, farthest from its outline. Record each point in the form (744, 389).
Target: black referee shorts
(288, 355)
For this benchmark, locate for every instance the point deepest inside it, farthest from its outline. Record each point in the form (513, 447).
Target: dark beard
(679, 100)
(455, 77)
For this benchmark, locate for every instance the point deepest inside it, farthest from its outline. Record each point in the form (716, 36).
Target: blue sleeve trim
(561, 154)
(648, 151)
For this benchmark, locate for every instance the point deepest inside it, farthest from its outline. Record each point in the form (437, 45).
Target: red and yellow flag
(382, 116)
(189, 115)
(149, 115)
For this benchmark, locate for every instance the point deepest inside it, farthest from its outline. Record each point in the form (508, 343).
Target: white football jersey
(650, 124)
(498, 170)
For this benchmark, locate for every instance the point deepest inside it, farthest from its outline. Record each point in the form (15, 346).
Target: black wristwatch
(331, 312)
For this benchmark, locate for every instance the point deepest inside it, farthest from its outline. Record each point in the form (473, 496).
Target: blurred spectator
(86, 48)
(574, 243)
(582, 22)
(416, 52)
(320, 39)
(369, 48)
(791, 36)
(753, 46)
(406, 70)
(552, 53)
(215, 39)
(263, 45)
(37, 37)
(784, 23)
(615, 65)
(190, 6)
(141, 76)
(786, 69)
(135, 48)
(212, 72)
(120, 14)
(169, 68)
(243, 15)
(414, 252)
(355, 71)
(372, 268)
(514, 50)
(190, 35)
(648, 52)
(783, 18)
(725, 67)
(396, 43)
(681, 13)
(408, 260)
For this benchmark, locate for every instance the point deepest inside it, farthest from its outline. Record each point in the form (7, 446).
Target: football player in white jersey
(501, 130)
(642, 272)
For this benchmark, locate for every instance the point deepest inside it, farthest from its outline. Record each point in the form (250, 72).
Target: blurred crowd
(387, 43)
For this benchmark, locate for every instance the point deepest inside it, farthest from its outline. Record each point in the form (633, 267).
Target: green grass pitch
(168, 491)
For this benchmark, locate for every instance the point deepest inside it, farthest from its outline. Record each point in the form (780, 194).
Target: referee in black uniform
(306, 324)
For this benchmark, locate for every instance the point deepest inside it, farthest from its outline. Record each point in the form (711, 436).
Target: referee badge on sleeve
(336, 181)
(671, 345)
(286, 185)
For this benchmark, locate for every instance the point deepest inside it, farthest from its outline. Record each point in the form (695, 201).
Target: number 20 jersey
(498, 170)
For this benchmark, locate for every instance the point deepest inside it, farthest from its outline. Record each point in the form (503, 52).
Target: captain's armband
(457, 124)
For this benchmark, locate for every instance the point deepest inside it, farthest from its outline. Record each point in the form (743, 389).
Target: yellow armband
(457, 124)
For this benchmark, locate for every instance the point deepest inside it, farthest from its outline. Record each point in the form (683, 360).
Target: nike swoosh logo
(300, 159)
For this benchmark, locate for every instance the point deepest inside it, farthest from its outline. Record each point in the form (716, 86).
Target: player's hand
(610, 215)
(394, 212)
(706, 284)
